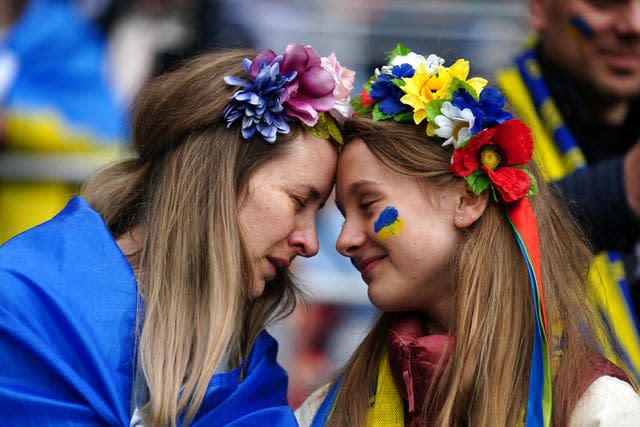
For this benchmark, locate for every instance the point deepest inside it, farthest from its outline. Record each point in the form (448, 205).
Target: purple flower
(312, 90)
(388, 93)
(259, 102)
(487, 111)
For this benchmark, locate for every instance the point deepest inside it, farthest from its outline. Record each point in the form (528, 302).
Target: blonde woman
(144, 301)
(477, 270)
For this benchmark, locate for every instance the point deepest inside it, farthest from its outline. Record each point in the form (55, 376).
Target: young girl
(144, 301)
(477, 269)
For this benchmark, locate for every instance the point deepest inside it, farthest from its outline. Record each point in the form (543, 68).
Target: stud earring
(461, 218)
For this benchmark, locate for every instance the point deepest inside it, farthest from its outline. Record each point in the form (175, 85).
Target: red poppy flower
(496, 151)
(365, 98)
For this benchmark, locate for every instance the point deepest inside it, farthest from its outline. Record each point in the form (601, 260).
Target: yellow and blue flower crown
(490, 151)
(490, 146)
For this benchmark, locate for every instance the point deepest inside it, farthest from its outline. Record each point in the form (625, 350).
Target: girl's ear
(469, 206)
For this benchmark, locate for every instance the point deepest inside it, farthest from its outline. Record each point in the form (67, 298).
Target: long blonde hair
(486, 380)
(181, 191)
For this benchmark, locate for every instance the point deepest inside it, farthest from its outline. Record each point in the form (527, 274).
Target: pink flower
(343, 78)
(265, 57)
(312, 89)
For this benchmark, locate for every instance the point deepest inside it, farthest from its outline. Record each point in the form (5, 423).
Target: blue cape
(67, 342)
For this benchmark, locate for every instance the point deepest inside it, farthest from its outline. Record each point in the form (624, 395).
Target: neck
(438, 318)
(129, 244)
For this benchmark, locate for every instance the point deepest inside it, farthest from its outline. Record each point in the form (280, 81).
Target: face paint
(388, 224)
(581, 27)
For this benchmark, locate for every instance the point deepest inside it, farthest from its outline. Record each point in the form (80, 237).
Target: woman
(484, 319)
(148, 295)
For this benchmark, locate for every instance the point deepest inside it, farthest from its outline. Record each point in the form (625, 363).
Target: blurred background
(70, 68)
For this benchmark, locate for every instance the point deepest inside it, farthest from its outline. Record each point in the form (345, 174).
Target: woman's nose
(305, 240)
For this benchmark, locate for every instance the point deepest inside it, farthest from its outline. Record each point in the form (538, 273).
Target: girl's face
(398, 234)
(278, 209)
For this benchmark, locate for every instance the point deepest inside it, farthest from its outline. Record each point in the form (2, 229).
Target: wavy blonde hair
(486, 380)
(181, 190)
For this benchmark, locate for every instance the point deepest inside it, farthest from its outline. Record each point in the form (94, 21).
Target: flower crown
(490, 146)
(296, 85)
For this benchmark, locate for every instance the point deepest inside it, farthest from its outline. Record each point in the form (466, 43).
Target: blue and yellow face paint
(580, 28)
(388, 224)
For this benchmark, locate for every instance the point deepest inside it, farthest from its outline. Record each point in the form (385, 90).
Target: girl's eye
(364, 205)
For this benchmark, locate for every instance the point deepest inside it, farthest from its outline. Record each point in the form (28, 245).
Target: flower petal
(515, 139)
(265, 57)
(511, 183)
(317, 82)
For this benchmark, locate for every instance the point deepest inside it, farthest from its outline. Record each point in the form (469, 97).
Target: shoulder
(309, 408)
(608, 401)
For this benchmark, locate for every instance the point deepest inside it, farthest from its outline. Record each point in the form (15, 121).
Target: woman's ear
(469, 206)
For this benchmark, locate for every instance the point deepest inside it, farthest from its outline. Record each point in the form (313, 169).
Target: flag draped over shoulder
(68, 301)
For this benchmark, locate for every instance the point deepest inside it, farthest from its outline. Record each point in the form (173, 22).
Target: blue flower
(259, 102)
(388, 93)
(487, 110)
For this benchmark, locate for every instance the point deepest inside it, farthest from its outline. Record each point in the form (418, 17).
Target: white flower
(454, 124)
(431, 63)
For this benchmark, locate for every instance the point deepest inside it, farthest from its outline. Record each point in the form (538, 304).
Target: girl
(144, 301)
(484, 319)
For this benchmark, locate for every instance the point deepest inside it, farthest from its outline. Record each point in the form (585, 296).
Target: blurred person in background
(144, 301)
(578, 87)
(68, 72)
(56, 96)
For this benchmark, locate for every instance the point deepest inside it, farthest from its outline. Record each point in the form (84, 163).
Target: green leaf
(405, 116)
(333, 130)
(320, 129)
(478, 181)
(399, 50)
(398, 82)
(433, 108)
(533, 190)
(379, 115)
(456, 84)
(359, 107)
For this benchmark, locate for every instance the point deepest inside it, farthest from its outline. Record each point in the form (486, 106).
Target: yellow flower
(417, 92)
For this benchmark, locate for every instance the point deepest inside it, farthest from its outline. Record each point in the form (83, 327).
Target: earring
(461, 218)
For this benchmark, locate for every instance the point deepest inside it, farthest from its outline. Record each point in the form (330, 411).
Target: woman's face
(398, 235)
(278, 209)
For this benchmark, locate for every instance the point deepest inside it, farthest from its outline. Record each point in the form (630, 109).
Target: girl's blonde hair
(182, 191)
(486, 380)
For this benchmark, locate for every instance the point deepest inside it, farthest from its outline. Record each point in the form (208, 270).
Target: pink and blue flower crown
(490, 151)
(296, 85)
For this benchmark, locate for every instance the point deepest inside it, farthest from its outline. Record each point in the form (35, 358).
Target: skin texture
(278, 210)
(409, 271)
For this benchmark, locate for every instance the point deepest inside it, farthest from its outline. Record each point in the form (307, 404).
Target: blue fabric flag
(67, 336)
